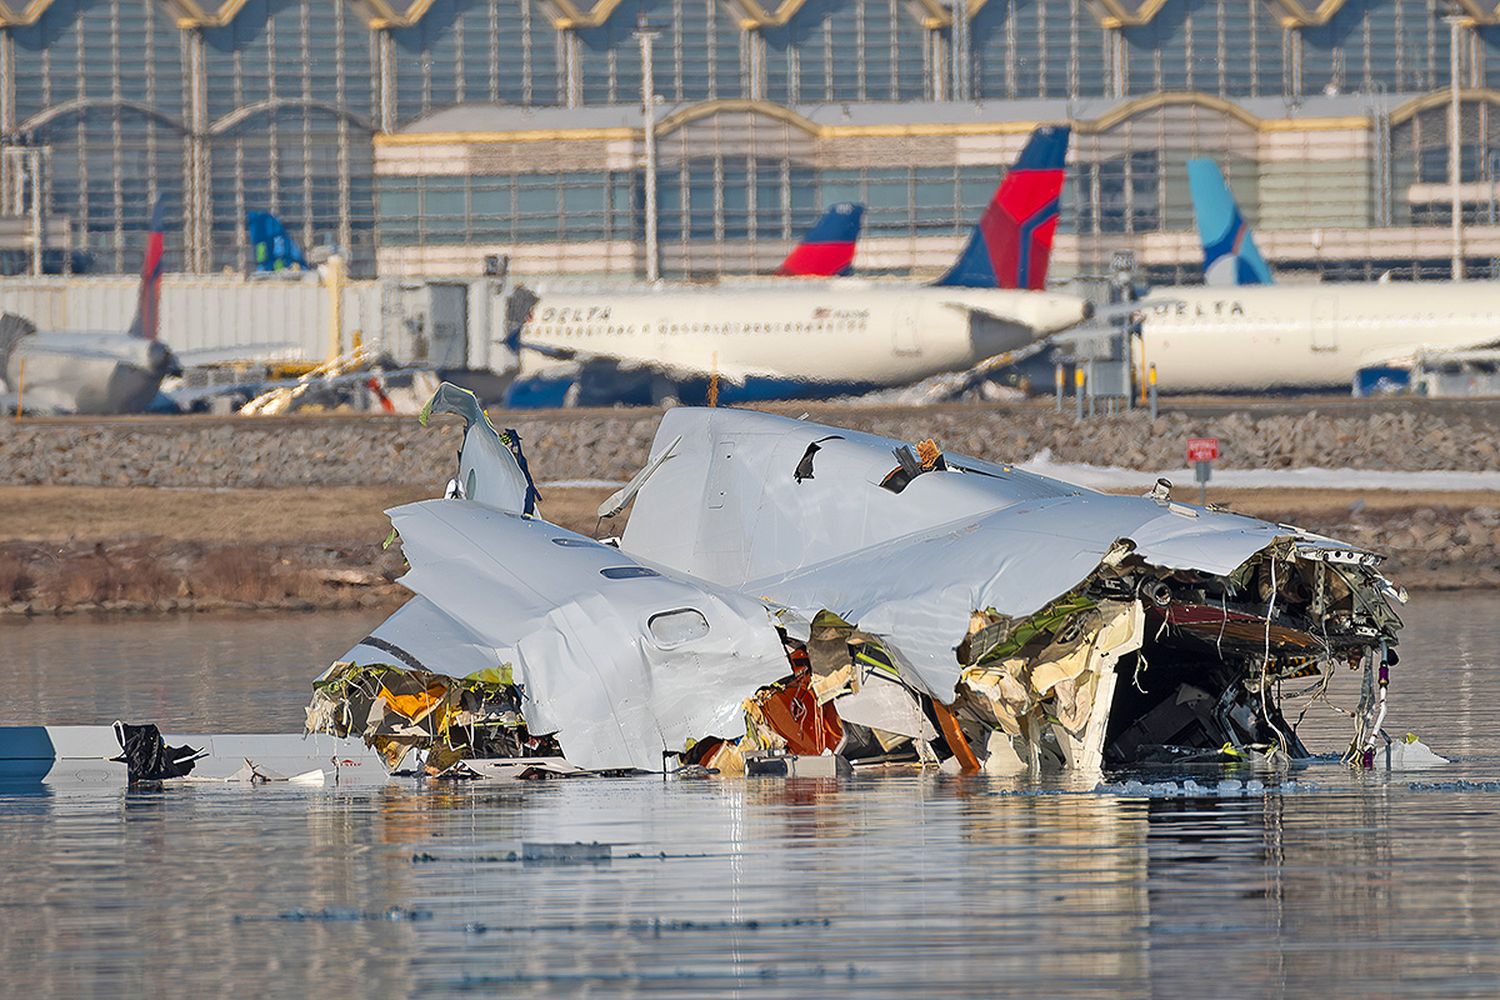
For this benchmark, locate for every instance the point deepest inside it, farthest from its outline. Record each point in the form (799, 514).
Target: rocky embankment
(1433, 540)
(1429, 547)
(612, 444)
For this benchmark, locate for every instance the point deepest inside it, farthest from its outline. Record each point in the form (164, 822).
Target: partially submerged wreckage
(797, 598)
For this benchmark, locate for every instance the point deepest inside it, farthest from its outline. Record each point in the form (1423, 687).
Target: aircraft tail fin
(275, 250)
(148, 307)
(828, 247)
(1011, 245)
(1230, 256)
(492, 468)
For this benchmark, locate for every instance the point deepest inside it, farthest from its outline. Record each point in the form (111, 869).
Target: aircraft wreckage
(795, 598)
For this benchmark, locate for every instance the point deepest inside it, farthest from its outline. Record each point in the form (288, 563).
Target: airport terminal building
(428, 135)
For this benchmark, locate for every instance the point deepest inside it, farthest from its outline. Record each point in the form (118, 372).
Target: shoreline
(143, 550)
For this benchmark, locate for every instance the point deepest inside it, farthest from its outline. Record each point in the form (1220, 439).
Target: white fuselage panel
(1277, 336)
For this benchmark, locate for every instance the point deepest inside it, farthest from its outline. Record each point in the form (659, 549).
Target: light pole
(1493, 176)
(647, 37)
(1455, 22)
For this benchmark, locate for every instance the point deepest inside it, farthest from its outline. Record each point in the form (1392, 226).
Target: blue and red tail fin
(274, 248)
(828, 247)
(1230, 256)
(1012, 243)
(148, 307)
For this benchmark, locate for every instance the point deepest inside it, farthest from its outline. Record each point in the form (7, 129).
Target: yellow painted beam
(1481, 11)
(10, 17)
(382, 14)
(1440, 98)
(1121, 15)
(512, 136)
(705, 109)
(192, 15)
(1104, 123)
(570, 15)
(1300, 15)
(757, 16)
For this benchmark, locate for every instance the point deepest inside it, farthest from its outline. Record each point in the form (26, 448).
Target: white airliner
(91, 372)
(1310, 336)
(1256, 335)
(809, 339)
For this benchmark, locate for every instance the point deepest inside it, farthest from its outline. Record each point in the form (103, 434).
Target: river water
(889, 886)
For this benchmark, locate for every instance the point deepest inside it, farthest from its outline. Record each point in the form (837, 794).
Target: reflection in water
(890, 885)
(192, 673)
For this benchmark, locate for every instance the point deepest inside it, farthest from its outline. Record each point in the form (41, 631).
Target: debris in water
(791, 598)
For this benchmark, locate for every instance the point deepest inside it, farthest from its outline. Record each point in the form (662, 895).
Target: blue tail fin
(275, 250)
(1230, 256)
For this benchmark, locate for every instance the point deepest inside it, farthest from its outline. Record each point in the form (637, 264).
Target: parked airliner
(1255, 335)
(92, 372)
(816, 339)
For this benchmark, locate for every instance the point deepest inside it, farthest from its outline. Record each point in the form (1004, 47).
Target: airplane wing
(626, 360)
(278, 350)
(969, 310)
(1481, 348)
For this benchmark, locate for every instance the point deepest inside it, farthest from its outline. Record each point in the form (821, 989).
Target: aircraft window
(672, 627)
(627, 572)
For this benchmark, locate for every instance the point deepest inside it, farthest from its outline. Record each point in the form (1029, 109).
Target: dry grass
(99, 578)
(252, 574)
(333, 515)
(16, 579)
(71, 546)
(161, 572)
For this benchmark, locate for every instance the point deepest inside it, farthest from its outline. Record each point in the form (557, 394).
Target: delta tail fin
(274, 248)
(828, 247)
(148, 307)
(1230, 256)
(1012, 243)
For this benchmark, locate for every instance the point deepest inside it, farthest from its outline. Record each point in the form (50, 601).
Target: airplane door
(906, 334)
(1324, 323)
(448, 320)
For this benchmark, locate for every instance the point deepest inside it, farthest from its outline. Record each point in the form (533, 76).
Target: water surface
(880, 886)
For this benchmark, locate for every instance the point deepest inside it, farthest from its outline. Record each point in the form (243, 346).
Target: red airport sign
(1202, 449)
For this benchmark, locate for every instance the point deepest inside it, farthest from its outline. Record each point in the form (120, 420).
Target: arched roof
(553, 127)
(83, 105)
(271, 105)
(706, 109)
(1440, 98)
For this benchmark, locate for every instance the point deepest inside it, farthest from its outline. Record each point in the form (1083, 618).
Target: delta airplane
(1250, 334)
(818, 339)
(92, 372)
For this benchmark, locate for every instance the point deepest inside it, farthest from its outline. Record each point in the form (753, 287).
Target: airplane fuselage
(87, 373)
(1312, 336)
(819, 336)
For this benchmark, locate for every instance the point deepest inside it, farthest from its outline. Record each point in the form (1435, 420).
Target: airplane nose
(1088, 310)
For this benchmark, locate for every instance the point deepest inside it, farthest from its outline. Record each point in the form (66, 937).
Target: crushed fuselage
(789, 588)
